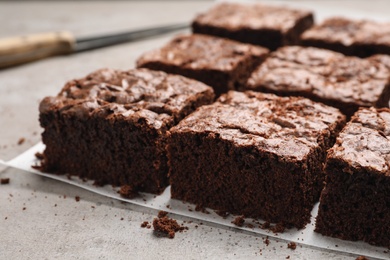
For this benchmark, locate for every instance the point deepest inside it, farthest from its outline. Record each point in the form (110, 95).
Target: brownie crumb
(266, 241)
(239, 221)
(266, 225)
(162, 214)
(77, 198)
(361, 257)
(4, 181)
(24, 208)
(292, 245)
(21, 140)
(163, 224)
(288, 257)
(39, 156)
(249, 225)
(144, 224)
(128, 192)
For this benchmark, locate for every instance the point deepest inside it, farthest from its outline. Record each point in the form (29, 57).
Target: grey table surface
(39, 217)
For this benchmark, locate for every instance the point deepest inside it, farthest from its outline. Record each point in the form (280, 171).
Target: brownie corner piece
(355, 203)
(332, 78)
(111, 126)
(258, 24)
(361, 38)
(253, 154)
(220, 63)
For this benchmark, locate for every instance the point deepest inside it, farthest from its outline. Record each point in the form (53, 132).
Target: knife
(23, 49)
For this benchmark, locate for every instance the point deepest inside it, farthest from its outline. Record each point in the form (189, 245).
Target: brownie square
(111, 126)
(361, 38)
(254, 154)
(220, 63)
(346, 83)
(355, 204)
(269, 26)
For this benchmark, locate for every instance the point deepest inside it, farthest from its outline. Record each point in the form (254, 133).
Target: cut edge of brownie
(97, 140)
(209, 187)
(353, 204)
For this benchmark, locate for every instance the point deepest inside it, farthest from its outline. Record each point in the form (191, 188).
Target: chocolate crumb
(288, 257)
(250, 225)
(24, 208)
(239, 221)
(266, 225)
(4, 181)
(167, 226)
(128, 192)
(162, 214)
(144, 224)
(77, 198)
(21, 140)
(266, 241)
(292, 245)
(361, 257)
(39, 156)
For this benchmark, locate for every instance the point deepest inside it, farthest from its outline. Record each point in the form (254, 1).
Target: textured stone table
(39, 217)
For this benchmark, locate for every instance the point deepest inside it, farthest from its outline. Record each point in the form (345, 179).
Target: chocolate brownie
(218, 62)
(269, 26)
(346, 83)
(254, 154)
(361, 38)
(355, 204)
(111, 126)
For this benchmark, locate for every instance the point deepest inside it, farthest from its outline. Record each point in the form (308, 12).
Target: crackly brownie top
(323, 73)
(233, 16)
(154, 96)
(286, 126)
(348, 32)
(201, 52)
(365, 141)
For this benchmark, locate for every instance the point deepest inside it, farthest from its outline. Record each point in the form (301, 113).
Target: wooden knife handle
(23, 49)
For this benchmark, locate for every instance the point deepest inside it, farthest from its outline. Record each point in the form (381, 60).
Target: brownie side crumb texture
(346, 83)
(254, 154)
(355, 202)
(220, 63)
(164, 224)
(269, 26)
(361, 38)
(111, 126)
